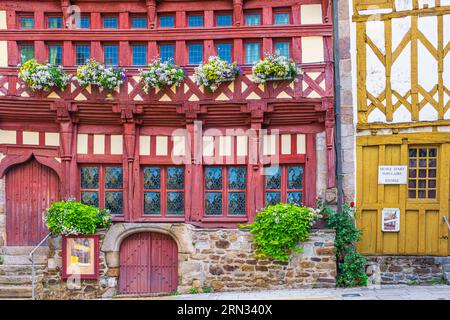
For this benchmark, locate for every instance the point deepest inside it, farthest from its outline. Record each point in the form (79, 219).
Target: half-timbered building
(180, 168)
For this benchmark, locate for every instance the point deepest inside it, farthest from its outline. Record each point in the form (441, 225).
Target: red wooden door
(148, 264)
(30, 188)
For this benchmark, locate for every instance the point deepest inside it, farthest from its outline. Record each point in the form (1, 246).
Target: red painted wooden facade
(130, 112)
(148, 264)
(30, 188)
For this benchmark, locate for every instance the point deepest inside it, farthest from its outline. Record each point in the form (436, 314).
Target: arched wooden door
(30, 188)
(148, 264)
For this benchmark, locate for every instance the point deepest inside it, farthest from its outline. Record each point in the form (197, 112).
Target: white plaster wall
(376, 74)
(446, 73)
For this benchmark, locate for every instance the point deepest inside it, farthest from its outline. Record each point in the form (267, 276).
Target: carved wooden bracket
(238, 12)
(151, 13)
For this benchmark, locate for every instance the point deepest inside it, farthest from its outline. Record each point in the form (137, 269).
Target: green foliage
(1, 260)
(351, 264)
(174, 293)
(207, 290)
(72, 217)
(43, 76)
(193, 290)
(275, 67)
(278, 229)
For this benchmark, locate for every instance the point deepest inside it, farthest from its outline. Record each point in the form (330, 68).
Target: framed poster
(390, 220)
(80, 256)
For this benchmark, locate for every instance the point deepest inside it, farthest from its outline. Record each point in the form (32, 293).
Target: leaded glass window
(167, 52)
(224, 20)
(139, 55)
(110, 22)
(225, 191)
(422, 173)
(102, 186)
(282, 48)
(252, 52)
(84, 23)
(82, 53)
(195, 53)
(195, 21)
(55, 54)
(139, 22)
(111, 54)
(284, 184)
(164, 191)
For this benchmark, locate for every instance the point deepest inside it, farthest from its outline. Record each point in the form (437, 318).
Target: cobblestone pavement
(391, 292)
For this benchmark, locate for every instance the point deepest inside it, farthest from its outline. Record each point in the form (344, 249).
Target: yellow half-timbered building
(402, 80)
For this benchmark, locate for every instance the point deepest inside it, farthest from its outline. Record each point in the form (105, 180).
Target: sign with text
(392, 174)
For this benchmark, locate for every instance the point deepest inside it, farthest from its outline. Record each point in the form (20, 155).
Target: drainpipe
(337, 105)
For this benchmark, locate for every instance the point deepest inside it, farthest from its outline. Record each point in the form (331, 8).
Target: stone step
(16, 259)
(23, 251)
(15, 291)
(18, 270)
(14, 280)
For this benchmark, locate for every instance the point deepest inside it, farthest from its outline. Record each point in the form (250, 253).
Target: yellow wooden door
(422, 201)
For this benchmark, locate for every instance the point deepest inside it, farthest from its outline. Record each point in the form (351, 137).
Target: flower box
(213, 73)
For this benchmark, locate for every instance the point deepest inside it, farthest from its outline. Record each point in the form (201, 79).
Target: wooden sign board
(392, 174)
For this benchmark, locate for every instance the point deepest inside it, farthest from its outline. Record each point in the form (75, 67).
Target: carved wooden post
(237, 11)
(329, 139)
(66, 15)
(66, 130)
(151, 13)
(131, 173)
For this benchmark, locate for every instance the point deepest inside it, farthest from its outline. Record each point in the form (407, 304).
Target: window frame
(84, 44)
(188, 55)
(53, 16)
(55, 44)
(217, 14)
(276, 11)
(225, 216)
(245, 50)
(102, 190)
(26, 44)
(163, 190)
(167, 44)
(416, 199)
(106, 16)
(112, 44)
(134, 44)
(195, 14)
(26, 16)
(284, 190)
(253, 12)
(216, 49)
(140, 16)
(289, 41)
(86, 16)
(167, 15)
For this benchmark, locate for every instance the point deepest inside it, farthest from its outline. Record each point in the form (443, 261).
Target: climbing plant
(350, 263)
(278, 229)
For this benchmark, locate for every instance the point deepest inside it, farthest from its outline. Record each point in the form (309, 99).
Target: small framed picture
(390, 220)
(80, 256)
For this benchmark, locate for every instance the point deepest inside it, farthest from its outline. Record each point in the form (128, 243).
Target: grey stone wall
(405, 269)
(218, 259)
(348, 129)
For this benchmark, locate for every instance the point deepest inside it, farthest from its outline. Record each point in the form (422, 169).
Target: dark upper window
(195, 53)
(55, 54)
(281, 18)
(139, 55)
(224, 20)
(195, 20)
(139, 22)
(167, 21)
(110, 22)
(164, 191)
(282, 48)
(26, 22)
(422, 175)
(55, 22)
(252, 52)
(84, 23)
(284, 184)
(253, 19)
(82, 53)
(167, 52)
(102, 186)
(224, 51)
(225, 191)
(26, 52)
(111, 55)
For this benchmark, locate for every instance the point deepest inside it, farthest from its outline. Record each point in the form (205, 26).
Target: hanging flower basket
(273, 68)
(96, 74)
(160, 74)
(213, 73)
(43, 76)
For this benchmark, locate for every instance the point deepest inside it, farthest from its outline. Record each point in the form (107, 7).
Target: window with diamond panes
(422, 173)
(102, 186)
(163, 191)
(225, 191)
(284, 184)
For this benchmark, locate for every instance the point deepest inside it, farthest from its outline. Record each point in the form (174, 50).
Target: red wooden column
(238, 12)
(329, 139)
(151, 13)
(132, 178)
(254, 166)
(310, 169)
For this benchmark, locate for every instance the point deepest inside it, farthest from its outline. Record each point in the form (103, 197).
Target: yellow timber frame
(417, 97)
(422, 230)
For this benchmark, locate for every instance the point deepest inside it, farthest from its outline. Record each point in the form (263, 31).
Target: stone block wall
(218, 259)
(404, 269)
(224, 261)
